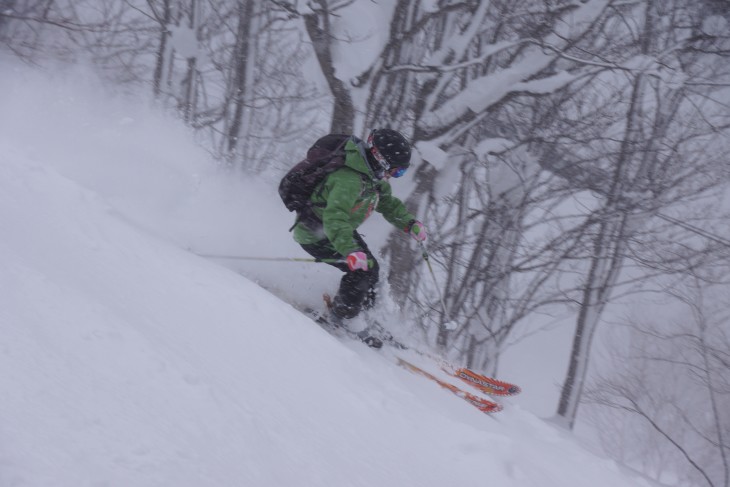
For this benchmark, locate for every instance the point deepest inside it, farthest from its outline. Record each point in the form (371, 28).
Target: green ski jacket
(346, 198)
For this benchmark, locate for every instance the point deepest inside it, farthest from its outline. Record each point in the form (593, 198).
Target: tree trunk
(241, 62)
(162, 50)
(605, 267)
(318, 28)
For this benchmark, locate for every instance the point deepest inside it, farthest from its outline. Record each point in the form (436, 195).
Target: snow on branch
(489, 89)
(441, 68)
(546, 85)
(432, 153)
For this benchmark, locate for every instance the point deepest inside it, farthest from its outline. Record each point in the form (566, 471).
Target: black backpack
(325, 156)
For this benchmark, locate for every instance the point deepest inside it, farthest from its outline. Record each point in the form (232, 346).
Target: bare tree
(647, 168)
(672, 386)
(319, 27)
(163, 16)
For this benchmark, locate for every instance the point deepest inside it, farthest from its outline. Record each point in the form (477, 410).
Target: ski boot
(338, 322)
(370, 340)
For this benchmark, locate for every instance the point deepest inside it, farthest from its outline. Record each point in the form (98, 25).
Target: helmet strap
(377, 169)
(379, 160)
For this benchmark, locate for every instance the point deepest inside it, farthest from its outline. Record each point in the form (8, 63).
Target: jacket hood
(356, 158)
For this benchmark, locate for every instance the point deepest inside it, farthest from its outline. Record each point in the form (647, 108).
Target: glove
(418, 231)
(357, 261)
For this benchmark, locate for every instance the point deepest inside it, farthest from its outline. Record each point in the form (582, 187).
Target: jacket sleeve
(342, 189)
(392, 208)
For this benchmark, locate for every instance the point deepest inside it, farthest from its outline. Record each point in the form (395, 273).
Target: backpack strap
(322, 150)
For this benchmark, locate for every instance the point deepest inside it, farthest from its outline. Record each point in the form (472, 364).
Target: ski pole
(271, 259)
(279, 259)
(449, 325)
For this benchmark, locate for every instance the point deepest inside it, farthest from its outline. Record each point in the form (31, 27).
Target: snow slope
(126, 360)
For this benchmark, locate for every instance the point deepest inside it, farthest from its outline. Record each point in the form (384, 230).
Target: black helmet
(390, 145)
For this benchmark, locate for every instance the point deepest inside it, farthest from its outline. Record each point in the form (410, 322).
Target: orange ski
(481, 404)
(487, 385)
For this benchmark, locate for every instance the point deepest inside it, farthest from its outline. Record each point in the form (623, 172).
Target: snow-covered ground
(128, 361)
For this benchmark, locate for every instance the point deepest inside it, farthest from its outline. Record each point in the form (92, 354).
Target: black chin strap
(372, 163)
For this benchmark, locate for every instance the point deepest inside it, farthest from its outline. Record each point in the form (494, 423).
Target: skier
(342, 201)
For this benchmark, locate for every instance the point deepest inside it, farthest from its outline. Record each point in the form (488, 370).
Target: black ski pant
(357, 288)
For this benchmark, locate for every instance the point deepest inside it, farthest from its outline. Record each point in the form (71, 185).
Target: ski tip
(492, 408)
(486, 384)
(483, 405)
